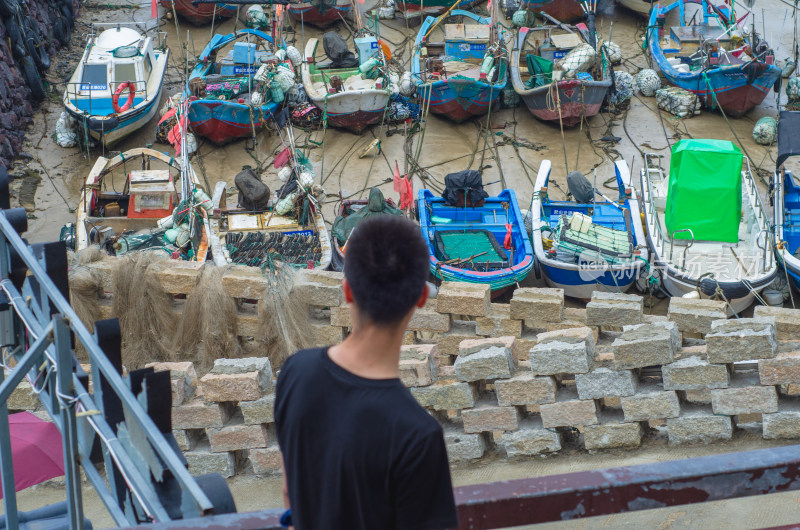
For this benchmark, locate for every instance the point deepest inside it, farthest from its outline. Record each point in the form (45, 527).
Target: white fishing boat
(347, 97)
(640, 7)
(128, 201)
(116, 87)
(706, 226)
(592, 244)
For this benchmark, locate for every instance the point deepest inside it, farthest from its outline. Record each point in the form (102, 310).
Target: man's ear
(424, 296)
(348, 291)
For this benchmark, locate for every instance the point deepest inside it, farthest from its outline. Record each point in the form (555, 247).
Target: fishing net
(256, 18)
(258, 249)
(571, 242)
(677, 101)
(228, 89)
(793, 90)
(580, 59)
(401, 109)
(208, 327)
(648, 82)
(510, 98)
(623, 82)
(86, 289)
(470, 249)
(765, 130)
(285, 323)
(144, 310)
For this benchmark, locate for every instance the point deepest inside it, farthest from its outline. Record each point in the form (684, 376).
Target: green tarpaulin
(705, 190)
(376, 205)
(540, 70)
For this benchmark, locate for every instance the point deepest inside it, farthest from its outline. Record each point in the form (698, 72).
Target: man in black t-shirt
(358, 450)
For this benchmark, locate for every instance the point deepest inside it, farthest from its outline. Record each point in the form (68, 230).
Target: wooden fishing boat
(351, 212)
(472, 243)
(563, 10)
(567, 101)
(346, 97)
(233, 112)
(449, 73)
(127, 203)
(254, 238)
(640, 7)
(198, 14)
(418, 8)
(320, 13)
(715, 61)
(116, 87)
(591, 246)
(786, 188)
(707, 229)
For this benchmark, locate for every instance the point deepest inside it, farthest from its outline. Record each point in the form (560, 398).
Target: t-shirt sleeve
(423, 490)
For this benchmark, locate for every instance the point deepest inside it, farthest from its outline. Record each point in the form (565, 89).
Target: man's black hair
(386, 265)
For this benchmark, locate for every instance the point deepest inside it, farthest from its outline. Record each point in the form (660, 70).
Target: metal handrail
(74, 91)
(55, 349)
(672, 243)
(761, 215)
(660, 237)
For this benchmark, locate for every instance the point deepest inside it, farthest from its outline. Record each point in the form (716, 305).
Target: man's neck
(369, 351)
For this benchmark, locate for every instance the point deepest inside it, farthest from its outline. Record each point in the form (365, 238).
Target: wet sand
(509, 158)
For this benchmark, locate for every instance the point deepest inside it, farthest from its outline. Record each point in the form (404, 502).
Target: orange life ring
(118, 93)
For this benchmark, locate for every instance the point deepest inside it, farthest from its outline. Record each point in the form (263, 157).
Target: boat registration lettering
(563, 211)
(244, 69)
(87, 86)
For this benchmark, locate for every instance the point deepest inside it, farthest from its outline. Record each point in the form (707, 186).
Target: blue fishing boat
(116, 87)
(725, 67)
(786, 189)
(226, 106)
(478, 241)
(463, 75)
(585, 245)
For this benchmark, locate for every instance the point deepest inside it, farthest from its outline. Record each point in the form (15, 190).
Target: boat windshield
(124, 72)
(94, 76)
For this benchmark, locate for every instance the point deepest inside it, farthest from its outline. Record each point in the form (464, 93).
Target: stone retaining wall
(47, 26)
(520, 379)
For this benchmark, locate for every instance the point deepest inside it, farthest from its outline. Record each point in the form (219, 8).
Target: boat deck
(726, 261)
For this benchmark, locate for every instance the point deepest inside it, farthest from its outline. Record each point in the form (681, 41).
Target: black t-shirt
(359, 453)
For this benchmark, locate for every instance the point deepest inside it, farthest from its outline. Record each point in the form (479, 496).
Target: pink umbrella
(35, 449)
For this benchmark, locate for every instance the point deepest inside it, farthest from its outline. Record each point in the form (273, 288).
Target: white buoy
(648, 82)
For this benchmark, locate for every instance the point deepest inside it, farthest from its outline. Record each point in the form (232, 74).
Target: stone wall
(526, 378)
(38, 26)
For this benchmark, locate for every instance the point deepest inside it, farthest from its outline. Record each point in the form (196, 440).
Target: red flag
(398, 185)
(174, 137)
(281, 159)
(154, 8)
(507, 240)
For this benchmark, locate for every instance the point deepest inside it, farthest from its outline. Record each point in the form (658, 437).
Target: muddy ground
(509, 157)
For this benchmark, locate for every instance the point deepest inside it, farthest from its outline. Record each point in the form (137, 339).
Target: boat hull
(199, 14)
(355, 121)
(582, 283)
(734, 88)
(640, 7)
(461, 99)
(307, 13)
(498, 279)
(433, 7)
(563, 10)
(225, 121)
(579, 99)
